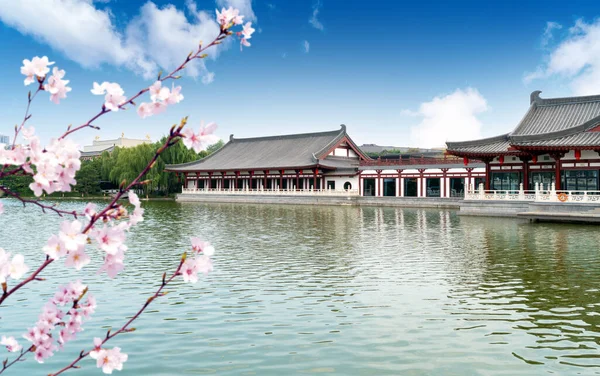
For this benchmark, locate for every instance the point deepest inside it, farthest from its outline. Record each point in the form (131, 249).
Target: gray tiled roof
(484, 146)
(591, 139)
(555, 122)
(557, 114)
(275, 152)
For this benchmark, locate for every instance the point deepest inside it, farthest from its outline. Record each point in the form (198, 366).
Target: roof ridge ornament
(535, 97)
(343, 127)
(231, 137)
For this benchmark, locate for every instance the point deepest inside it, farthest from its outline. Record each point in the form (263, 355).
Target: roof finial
(343, 126)
(231, 137)
(535, 97)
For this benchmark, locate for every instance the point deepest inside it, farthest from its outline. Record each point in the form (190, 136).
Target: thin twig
(124, 328)
(6, 364)
(38, 203)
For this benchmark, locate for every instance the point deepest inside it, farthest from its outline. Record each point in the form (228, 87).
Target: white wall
(341, 180)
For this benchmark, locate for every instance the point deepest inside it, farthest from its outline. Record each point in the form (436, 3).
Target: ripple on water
(337, 290)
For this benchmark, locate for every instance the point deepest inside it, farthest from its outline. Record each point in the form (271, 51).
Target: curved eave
(258, 169)
(526, 148)
(476, 154)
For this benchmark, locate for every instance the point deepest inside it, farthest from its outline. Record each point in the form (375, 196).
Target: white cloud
(306, 46)
(547, 36)
(452, 117)
(314, 20)
(208, 78)
(576, 59)
(156, 38)
(245, 7)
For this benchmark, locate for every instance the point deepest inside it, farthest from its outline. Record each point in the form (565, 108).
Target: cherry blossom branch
(6, 364)
(125, 328)
(38, 203)
(172, 139)
(34, 276)
(197, 55)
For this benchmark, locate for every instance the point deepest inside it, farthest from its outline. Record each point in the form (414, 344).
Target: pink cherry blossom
(11, 344)
(200, 141)
(1, 208)
(70, 234)
(204, 264)
(144, 110)
(247, 31)
(109, 238)
(36, 67)
(174, 95)
(56, 86)
(90, 210)
(225, 16)
(157, 92)
(17, 267)
(157, 107)
(114, 94)
(77, 259)
(189, 271)
(108, 360)
(55, 248)
(134, 199)
(203, 247)
(244, 43)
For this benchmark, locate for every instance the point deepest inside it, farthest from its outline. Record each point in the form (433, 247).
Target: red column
(379, 185)
(469, 176)
(488, 174)
(237, 176)
(422, 177)
(557, 156)
(281, 179)
(360, 183)
(316, 171)
(210, 180)
(265, 179)
(185, 179)
(250, 180)
(297, 180)
(525, 172)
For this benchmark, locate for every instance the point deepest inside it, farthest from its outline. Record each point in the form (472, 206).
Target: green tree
(88, 177)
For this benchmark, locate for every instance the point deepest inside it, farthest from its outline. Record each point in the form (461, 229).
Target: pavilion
(556, 144)
(323, 161)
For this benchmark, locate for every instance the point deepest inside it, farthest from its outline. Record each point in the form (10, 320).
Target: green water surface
(332, 290)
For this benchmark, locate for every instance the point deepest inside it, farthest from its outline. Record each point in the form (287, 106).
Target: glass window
(331, 185)
(410, 187)
(580, 180)
(546, 178)
(433, 187)
(506, 181)
(457, 187)
(389, 187)
(369, 187)
(347, 185)
(479, 181)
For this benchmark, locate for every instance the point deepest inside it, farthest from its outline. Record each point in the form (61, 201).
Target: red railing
(415, 161)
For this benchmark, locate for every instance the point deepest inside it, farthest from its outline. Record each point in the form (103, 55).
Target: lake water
(333, 290)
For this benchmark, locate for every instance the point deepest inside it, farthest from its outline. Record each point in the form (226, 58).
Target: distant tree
(88, 177)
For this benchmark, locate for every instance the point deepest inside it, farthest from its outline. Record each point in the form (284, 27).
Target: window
(457, 187)
(506, 181)
(347, 186)
(410, 187)
(433, 187)
(331, 185)
(369, 187)
(389, 187)
(479, 181)
(546, 178)
(580, 180)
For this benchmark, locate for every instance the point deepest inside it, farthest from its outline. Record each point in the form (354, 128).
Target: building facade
(4, 141)
(327, 163)
(100, 146)
(311, 162)
(556, 147)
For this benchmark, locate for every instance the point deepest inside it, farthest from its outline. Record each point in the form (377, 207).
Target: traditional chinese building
(314, 162)
(556, 143)
(327, 163)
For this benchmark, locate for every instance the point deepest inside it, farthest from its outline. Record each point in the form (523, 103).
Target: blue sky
(395, 72)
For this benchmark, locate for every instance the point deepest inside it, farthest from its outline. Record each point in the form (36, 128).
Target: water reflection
(340, 290)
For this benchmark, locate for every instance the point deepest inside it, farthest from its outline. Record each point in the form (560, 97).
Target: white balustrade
(550, 194)
(267, 192)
